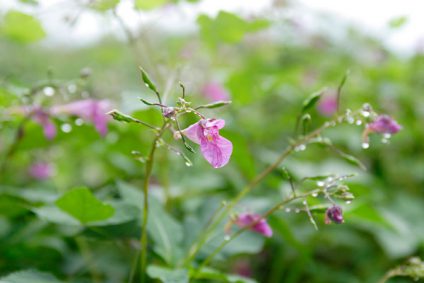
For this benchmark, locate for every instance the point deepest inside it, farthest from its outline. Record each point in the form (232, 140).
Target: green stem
(276, 207)
(145, 213)
(205, 235)
(88, 257)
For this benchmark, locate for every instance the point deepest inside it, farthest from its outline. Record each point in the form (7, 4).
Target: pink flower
(89, 109)
(43, 118)
(216, 149)
(41, 170)
(261, 226)
(334, 214)
(214, 92)
(328, 105)
(384, 124)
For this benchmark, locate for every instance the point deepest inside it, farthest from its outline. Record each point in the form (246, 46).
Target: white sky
(373, 16)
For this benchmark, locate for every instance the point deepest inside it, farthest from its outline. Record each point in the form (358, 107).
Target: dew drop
(48, 91)
(188, 164)
(365, 145)
(384, 140)
(320, 183)
(304, 202)
(287, 209)
(314, 195)
(350, 119)
(358, 122)
(348, 202)
(300, 147)
(297, 210)
(387, 136)
(66, 128)
(79, 122)
(72, 88)
(227, 238)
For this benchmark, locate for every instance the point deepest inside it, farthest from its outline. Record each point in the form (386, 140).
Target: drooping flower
(261, 226)
(384, 124)
(214, 92)
(39, 115)
(217, 150)
(43, 118)
(90, 110)
(327, 105)
(334, 214)
(41, 170)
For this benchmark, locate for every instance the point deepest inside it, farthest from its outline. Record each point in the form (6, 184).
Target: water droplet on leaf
(320, 183)
(365, 145)
(287, 209)
(66, 128)
(48, 91)
(227, 238)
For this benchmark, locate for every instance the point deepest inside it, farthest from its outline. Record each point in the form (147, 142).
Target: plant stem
(248, 188)
(145, 213)
(276, 207)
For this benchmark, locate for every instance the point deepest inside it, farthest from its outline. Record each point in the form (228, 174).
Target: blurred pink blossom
(328, 105)
(43, 118)
(214, 91)
(261, 226)
(217, 150)
(41, 170)
(384, 124)
(90, 110)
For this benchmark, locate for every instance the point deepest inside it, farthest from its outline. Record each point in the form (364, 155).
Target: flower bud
(334, 214)
(168, 112)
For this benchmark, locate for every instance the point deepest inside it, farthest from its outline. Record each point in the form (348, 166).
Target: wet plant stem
(145, 213)
(276, 207)
(248, 188)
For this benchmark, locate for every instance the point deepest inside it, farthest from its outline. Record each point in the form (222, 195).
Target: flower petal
(217, 152)
(194, 132)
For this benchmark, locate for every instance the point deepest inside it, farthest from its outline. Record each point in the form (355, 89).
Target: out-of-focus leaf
(104, 5)
(82, 205)
(166, 232)
(167, 275)
(398, 22)
(227, 28)
(149, 4)
(27, 276)
(311, 100)
(32, 2)
(22, 27)
(217, 276)
(352, 160)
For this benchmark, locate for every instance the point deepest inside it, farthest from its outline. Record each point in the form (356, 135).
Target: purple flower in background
(214, 92)
(334, 214)
(43, 118)
(328, 105)
(261, 226)
(216, 149)
(383, 124)
(41, 170)
(90, 110)
(243, 268)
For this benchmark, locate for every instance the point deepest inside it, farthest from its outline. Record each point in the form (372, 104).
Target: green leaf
(149, 4)
(213, 274)
(104, 5)
(27, 276)
(311, 100)
(82, 205)
(166, 232)
(215, 104)
(398, 22)
(21, 27)
(227, 27)
(167, 275)
(352, 160)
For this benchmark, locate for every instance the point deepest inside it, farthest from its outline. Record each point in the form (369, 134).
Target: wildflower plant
(217, 151)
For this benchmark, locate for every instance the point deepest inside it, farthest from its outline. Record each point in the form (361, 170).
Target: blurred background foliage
(269, 64)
